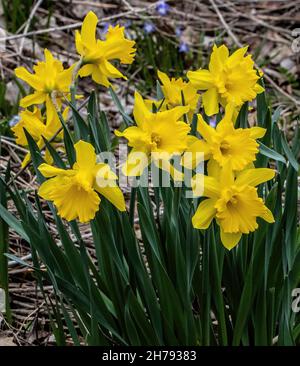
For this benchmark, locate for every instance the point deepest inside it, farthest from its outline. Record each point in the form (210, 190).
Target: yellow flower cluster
(162, 131)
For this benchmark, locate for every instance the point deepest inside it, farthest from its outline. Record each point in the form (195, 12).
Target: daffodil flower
(38, 127)
(157, 137)
(97, 54)
(232, 200)
(230, 79)
(229, 146)
(49, 77)
(173, 90)
(74, 191)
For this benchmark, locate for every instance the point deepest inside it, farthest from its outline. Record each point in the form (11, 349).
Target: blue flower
(163, 8)
(14, 120)
(178, 31)
(183, 47)
(149, 27)
(213, 121)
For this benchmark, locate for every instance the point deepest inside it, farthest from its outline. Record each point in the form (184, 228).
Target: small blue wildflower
(163, 8)
(183, 47)
(149, 27)
(178, 31)
(14, 120)
(213, 121)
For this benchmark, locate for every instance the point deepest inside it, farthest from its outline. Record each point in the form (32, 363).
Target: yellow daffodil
(157, 137)
(232, 200)
(230, 79)
(49, 76)
(38, 127)
(74, 191)
(173, 89)
(97, 54)
(232, 147)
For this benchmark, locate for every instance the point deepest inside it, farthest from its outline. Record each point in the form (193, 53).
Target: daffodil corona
(157, 137)
(97, 54)
(74, 191)
(229, 79)
(49, 77)
(232, 200)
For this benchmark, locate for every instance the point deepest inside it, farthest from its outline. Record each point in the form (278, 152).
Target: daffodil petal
(201, 79)
(35, 98)
(114, 195)
(210, 101)
(203, 185)
(85, 155)
(51, 171)
(268, 216)
(230, 240)
(88, 29)
(257, 132)
(254, 177)
(204, 214)
(205, 130)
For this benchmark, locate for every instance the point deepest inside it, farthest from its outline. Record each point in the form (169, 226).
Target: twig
(33, 11)
(76, 25)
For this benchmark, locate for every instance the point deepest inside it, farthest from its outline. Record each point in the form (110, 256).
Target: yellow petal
(226, 176)
(205, 130)
(140, 111)
(85, 155)
(204, 214)
(88, 29)
(35, 98)
(210, 101)
(214, 169)
(201, 79)
(51, 171)
(230, 240)
(114, 195)
(268, 216)
(218, 59)
(254, 177)
(257, 132)
(29, 78)
(203, 185)
(86, 70)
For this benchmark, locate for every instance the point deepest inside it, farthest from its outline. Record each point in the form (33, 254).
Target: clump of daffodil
(74, 191)
(49, 80)
(96, 55)
(232, 200)
(229, 79)
(232, 147)
(38, 126)
(176, 93)
(156, 137)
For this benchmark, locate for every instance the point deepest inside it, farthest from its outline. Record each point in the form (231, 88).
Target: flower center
(155, 139)
(225, 148)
